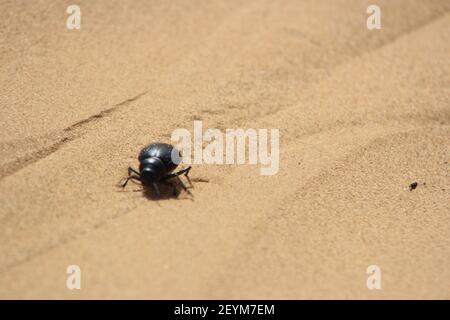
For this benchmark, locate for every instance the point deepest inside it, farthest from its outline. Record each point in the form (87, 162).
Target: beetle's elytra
(156, 165)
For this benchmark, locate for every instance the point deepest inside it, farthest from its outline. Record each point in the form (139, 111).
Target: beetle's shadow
(174, 190)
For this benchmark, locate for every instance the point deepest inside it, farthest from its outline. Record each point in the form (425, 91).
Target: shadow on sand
(170, 190)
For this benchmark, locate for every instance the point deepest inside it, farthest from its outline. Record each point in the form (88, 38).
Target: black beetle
(156, 165)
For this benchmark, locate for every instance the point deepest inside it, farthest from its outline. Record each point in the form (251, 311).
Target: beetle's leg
(175, 193)
(131, 177)
(186, 174)
(183, 186)
(156, 188)
(184, 171)
(189, 180)
(132, 170)
(176, 174)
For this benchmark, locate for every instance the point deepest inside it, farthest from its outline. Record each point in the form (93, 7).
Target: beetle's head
(148, 175)
(151, 170)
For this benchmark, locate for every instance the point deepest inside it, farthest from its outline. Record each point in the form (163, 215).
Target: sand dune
(362, 114)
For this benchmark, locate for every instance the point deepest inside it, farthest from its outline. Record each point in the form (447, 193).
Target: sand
(362, 114)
